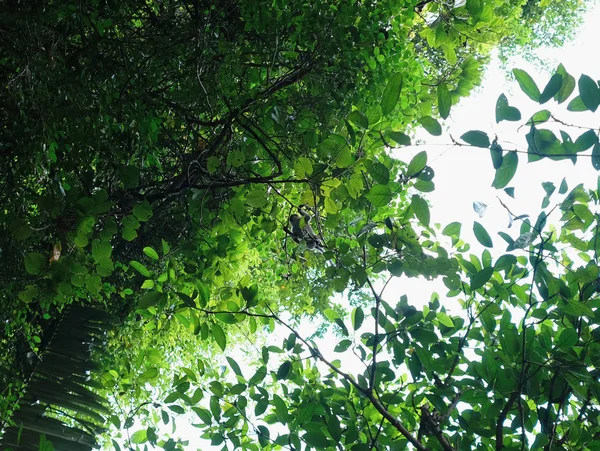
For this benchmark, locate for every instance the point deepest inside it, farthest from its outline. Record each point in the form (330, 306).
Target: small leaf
(539, 117)
(219, 336)
(476, 138)
(481, 278)
(444, 319)
(417, 164)
(357, 318)
(504, 112)
(431, 125)
(596, 157)
(391, 94)
(284, 370)
(506, 172)
(379, 195)
(34, 263)
(401, 138)
(151, 253)
(444, 100)
(359, 119)
(257, 198)
(149, 299)
(527, 84)
(482, 236)
(421, 209)
(139, 268)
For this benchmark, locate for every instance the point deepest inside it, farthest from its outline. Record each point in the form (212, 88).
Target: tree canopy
(152, 157)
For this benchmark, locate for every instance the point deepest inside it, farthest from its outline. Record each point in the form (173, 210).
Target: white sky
(464, 175)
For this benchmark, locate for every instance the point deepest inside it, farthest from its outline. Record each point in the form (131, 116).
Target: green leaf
(284, 370)
(258, 376)
(444, 100)
(506, 171)
(142, 211)
(444, 319)
(380, 173)
(28, 294)
(203, 414)
(165, 247)
(586, 140)
(357, 318)
(539, 117)
(129, 234)
(359, 119)
(401, 138)
(317, 439)
(482, 236)
(257, 198)
(551, 88)
(417, 164)
(139, 437)
(379, 195)
(431, 125)
(476, 138)
(34, 263)
(250, 295)
(219, 336)
(589, 92)
(151, 253)
(344, 158)
(567, 87)
(391, 94)
(452, 230)
(421, 209)
(481, 278)
(527, 84)
(342, 346)
(596, 157)
(149, 299)
(139, 268)
(576, 104)
(475, 8)
(504, 112)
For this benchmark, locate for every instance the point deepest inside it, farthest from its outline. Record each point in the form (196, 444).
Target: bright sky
(464, 175)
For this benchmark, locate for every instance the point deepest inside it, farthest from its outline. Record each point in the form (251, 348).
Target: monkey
(301, 230)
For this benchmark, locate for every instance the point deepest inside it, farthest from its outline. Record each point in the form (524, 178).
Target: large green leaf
(444, 100)
(421, 209)
(506, 171)
(567, 86)
(34, 263)
(431, 125)
(379, 195)
(391, 94)
(551, 88)
(527, 84)
(476, 138)
(504, 112)
(417, 164)
(482, 236)
(219, 336)
(589, 92)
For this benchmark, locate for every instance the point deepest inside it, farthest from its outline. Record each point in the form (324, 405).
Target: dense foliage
(150, 158)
